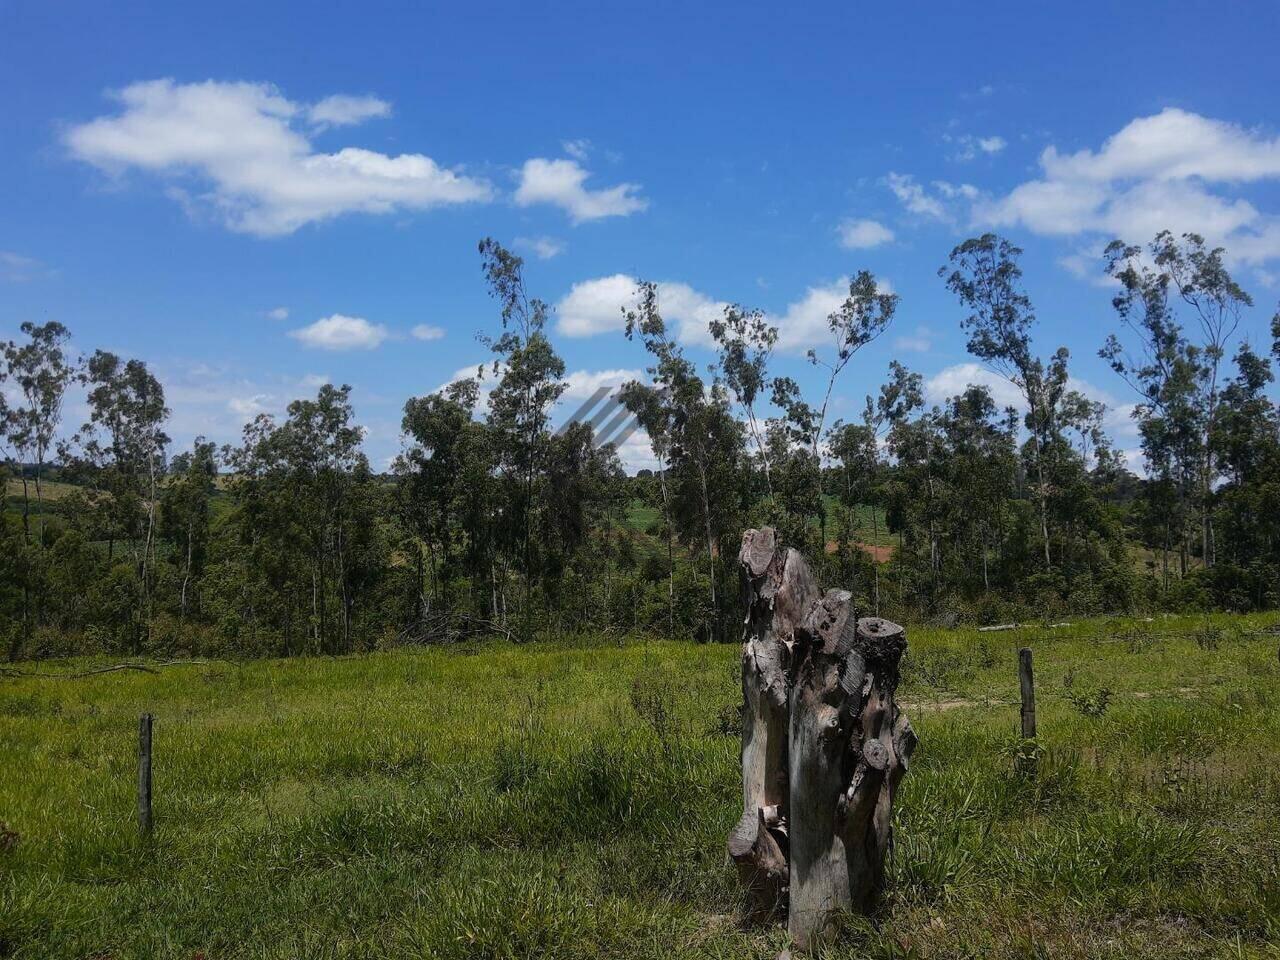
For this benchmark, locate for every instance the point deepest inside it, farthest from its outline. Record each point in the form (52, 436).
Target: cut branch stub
(778, 589)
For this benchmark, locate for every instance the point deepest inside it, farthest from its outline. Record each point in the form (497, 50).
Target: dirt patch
(876, 553)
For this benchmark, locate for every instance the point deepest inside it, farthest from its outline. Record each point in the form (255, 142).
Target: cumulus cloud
(339, 332)
(278, 313)
(243, 149)
(1166, 171)
(341, 110)
(595, 306)
(953, 380)
(581, 384)
(544, 248)
(804, 322)
(914, 197)
(425, 331)
(863, 234)
(561, 183)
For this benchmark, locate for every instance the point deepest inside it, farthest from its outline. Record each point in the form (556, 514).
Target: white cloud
(279, 313)
(581, 384)
(561, 183)
(250, 406)
(341, 110)
(544, 248)
(578, 149)
(425, 331)
(15, 268)
(340, 332)
(595, 306)
(913, 196)
(1086, 263)
(804, 323)
(969, 146)
(239, 143)
(952, 381)
(636, 453)
(863, 234)
(921, 341)
(1154, 174)
(1172, 145)
(483, 372)
(952, 191)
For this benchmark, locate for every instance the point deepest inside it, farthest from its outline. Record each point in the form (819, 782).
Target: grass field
(572, 802)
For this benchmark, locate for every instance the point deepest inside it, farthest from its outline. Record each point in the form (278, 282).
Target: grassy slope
(513, 802)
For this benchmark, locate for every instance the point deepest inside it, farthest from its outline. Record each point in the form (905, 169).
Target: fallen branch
(81, 674)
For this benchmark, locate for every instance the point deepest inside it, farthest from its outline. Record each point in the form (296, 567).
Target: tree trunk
(849, 747)
(779, 588)
(823, 743)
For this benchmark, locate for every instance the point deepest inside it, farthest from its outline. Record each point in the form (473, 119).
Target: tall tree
(185, 511)
(745, 341)
(1179, 380)
(985, 276)
(864, 315)
(530, 380)
(42, 373)
(125, 439)
(705, 441)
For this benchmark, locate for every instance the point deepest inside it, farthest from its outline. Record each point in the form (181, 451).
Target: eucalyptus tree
(42, 372)
(657, 418)
(125, 441)
(704, 440)
(745, 341)
(1247, 449)
(306, 509)
(434, 482)
(185, 509)
(865, 314)
(981, 453)
(984, 275)
(530, 380)
(1178, 379)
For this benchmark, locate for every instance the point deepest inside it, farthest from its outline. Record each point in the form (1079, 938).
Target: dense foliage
(491, 522)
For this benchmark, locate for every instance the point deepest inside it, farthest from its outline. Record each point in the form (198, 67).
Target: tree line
(492, 523)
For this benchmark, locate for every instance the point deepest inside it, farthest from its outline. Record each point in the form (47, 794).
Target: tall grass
(572, 801)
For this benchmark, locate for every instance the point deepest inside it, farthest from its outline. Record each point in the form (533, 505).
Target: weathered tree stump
(823, 743)
(778, 589)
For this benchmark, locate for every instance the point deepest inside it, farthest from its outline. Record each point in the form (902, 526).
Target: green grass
(571, 801)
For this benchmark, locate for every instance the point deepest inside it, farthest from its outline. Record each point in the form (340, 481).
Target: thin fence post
(1028, 694)
(144, 774)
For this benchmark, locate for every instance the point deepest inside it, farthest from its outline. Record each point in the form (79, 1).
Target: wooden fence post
(144, 774)
(1028, 694)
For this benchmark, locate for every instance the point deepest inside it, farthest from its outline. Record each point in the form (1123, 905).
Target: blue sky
(255, 198)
